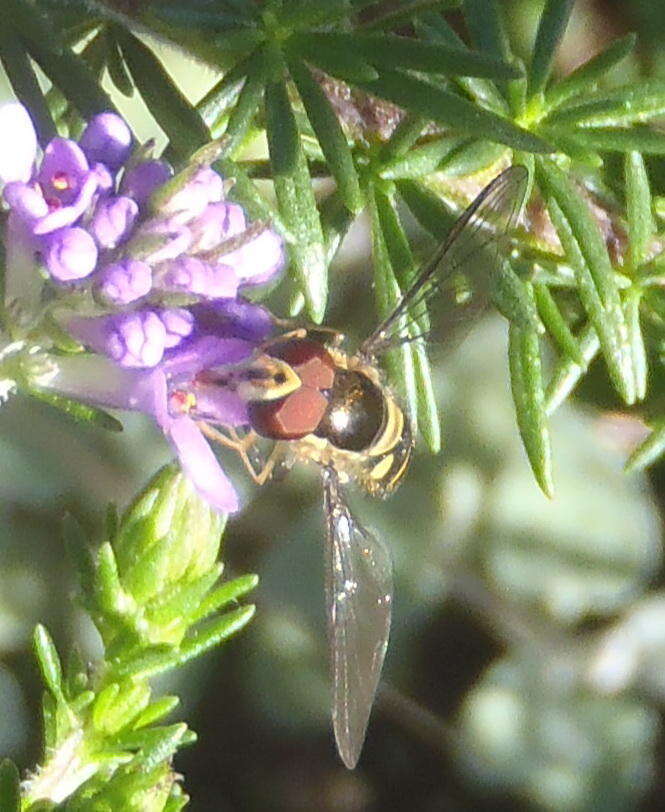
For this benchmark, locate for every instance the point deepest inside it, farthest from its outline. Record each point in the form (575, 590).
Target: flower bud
(70, 254)
(125, 281)
(168, 536)
(113, 220)
(107, 139)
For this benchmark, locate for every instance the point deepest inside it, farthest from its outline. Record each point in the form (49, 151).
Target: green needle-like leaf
(116, 67)
(178, 118)
(247, 104)
(403, 13)
(433, 102)
(404, 268)
(68, 72)
(527, 388)
(10, 800)
(399, 362)
(590, 72)
(24, 82)
(434, 27)
(392, 51)
(78, 411)
(485, 23)
(110, 596)
(156, 744)
(214, 632)
(614, 139)
(336, 219)
(635, 103)
(297, 204)
(636, 339)
(329, 133)
(557, 186)
(641, 226)
(404, 136)
(245, 192)
(216, 102)
(649, 450)
(551, 28)
(556, 326)
(421, 160)
(345, 64)
(514, 299)
(428, 209)
(567, 372)
(608, 319)
(156, 711)
(223, 595)
(49, 661)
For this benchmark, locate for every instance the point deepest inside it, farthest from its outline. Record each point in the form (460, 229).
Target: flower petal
(98, 380)
(125, 281)
(258, 261)
(107, 139)
(70, 254)
(200, 464)
(18, 143)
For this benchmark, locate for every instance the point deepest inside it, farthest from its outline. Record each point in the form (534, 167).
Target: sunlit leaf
(392, 51)
(641, 226)
(650, 450)
(590, 72)
(485, 22)
(24, 83)
(333, 142)
(567, 373)
(587, 253)
(551, 28)
(528, 396)
(556, 325)
(632, 104)
(178, 118)
(433, 102)
(293, 187)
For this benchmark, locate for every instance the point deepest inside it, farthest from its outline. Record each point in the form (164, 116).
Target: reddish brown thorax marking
(299, 413)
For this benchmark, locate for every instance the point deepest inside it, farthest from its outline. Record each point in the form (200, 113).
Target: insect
(320, 404)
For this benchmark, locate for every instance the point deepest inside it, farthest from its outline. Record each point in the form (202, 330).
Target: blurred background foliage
(528, 646)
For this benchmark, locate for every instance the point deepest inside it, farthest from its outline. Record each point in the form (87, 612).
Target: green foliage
(153, 592)
(467, 109)
(329, 110)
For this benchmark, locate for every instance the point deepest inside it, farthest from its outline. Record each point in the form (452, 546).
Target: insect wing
(358, 607)
(453, 288)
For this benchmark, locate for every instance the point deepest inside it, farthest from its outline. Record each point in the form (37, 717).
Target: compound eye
(355, 414)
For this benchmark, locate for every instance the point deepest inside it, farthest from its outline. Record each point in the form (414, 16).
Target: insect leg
(242, 446)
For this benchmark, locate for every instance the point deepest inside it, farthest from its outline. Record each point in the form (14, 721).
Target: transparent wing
(358, 605)
(453, 288)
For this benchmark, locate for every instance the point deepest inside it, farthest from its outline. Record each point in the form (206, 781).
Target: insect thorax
(341, 415)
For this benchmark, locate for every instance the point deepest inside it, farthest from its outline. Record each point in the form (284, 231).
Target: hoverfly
(321, 404)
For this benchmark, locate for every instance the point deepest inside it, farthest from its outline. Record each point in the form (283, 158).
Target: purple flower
(140, 181)
(79, 210)
(70, 254)
(192, 275)
(113, 220)
(107, 139)
(179, 390)
(125, 281)
(134, 339)
(204, 187)
(218, 222)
